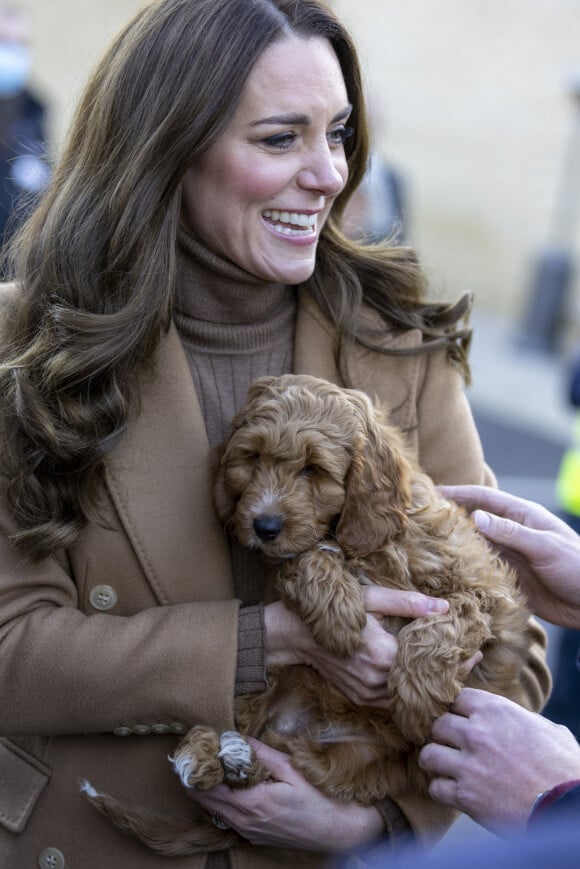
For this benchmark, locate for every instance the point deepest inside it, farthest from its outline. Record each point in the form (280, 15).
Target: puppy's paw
(236, 756)
(196, 760)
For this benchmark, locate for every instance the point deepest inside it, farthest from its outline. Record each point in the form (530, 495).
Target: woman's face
(260, 195)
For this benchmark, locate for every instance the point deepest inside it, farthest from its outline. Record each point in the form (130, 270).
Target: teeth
(294, 218)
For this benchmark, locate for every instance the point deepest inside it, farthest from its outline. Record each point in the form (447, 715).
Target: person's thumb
(278, 762)
(496, 528)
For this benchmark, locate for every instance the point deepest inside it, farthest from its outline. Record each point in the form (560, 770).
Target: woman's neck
(213, 290)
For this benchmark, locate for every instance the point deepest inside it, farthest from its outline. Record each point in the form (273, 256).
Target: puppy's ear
(378, 485)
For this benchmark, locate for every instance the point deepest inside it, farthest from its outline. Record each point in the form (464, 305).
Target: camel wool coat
(110, 650)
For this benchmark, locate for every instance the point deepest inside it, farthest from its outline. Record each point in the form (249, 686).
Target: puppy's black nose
(267, 527)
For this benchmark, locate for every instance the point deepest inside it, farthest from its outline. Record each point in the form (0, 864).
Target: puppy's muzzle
(268, 528)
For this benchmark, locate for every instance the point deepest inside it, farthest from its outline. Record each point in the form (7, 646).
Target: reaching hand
(490, 758)
(543, 549)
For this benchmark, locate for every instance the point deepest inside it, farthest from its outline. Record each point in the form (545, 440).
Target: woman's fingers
(408, 604)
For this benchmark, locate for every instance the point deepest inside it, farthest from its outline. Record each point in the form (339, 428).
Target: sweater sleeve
(251, 663)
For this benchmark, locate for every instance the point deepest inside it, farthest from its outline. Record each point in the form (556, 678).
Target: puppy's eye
(308, 471)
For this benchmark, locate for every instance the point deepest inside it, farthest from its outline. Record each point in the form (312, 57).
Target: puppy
(315, 478)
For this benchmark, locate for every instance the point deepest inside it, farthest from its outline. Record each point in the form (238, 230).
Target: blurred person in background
(24, 170)
(378, 208)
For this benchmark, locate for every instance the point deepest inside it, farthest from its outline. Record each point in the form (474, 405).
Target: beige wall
(476, 117)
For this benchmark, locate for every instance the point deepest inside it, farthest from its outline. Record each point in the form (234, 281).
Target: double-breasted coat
(110, 649)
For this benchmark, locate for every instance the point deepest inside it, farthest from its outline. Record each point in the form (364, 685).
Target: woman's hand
(289, 812)
(363, 677)
(490, 758)
(542, 548)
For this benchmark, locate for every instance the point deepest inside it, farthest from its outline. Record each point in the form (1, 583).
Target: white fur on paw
(183, 766)
(88, 789)
(236, 756)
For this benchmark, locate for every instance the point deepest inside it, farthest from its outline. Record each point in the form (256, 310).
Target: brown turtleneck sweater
(234, 328)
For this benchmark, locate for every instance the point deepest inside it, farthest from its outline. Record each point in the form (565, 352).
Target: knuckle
(436, 789)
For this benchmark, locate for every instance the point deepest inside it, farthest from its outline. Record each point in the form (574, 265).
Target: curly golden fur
(316, 478)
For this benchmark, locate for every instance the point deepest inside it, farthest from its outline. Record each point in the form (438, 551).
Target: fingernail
(437, 605)
(482, 519)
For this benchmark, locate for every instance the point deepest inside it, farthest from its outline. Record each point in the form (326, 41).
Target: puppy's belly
(285, 719)
(299, 704)
(291, 704)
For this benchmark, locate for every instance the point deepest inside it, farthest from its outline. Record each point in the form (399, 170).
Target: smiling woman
(190, 242)
(262, 192)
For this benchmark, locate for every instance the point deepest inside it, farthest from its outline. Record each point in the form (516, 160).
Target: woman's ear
(378, 486)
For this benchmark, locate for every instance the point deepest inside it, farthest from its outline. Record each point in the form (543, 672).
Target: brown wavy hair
(95, 263)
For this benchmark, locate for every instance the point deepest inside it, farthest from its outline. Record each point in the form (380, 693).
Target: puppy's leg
(425, 678)
(328, 598)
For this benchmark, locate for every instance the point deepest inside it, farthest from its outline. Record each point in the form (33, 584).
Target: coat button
(141, 729)
(161, 728)
(123, 730)
(51, 858)
(103, 597)
(177, 727)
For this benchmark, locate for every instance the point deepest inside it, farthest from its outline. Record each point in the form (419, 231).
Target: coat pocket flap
(22, 780)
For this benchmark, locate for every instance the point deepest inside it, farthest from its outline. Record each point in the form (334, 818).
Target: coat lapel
(160, 481)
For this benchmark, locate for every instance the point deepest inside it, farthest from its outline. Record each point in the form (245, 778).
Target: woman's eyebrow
(290, 119)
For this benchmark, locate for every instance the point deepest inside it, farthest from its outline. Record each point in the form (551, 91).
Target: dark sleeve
(574, 383)
(565, 797)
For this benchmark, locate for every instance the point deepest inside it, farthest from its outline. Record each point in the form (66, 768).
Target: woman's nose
(324, 171)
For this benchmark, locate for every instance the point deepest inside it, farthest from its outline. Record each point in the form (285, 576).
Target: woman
(188, 243)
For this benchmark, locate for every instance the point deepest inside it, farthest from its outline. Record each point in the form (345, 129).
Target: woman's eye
(280, 141)
(340, 135)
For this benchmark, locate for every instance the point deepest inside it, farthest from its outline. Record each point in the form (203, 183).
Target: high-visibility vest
(568, 479)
